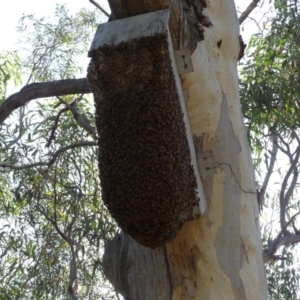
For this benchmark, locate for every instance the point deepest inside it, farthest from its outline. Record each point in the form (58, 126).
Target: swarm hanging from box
(147, 180)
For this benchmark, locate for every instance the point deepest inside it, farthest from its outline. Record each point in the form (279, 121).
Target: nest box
(148, 169)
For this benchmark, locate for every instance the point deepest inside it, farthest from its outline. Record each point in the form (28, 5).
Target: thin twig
(52, 160)
(55, 125)
(73, 267)
(55, 207)
(286, 151)
(291, 188)
(98, 6)
(248, 10)
(262, 192)
(84, 123)
(22, 114)
(62, 235)
(73, 280)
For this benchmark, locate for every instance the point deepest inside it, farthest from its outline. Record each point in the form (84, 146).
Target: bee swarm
(147, 180)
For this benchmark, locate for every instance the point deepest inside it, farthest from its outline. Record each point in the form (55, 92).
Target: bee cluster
(147, 180)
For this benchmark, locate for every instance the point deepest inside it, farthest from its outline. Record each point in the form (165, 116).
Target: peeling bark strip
(147, 180)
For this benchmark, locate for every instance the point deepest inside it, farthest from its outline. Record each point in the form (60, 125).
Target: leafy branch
(53, 159)
(84, 123)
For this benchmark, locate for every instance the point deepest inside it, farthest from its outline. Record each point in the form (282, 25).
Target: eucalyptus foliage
(270, 95)
(51, 213)
(9, 72)
(270, 87)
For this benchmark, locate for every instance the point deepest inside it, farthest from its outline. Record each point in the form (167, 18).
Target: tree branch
(280, 240)
(73, 284)
(73, 281)
(43, 90)
(54, 157)
(98, 6)
(84, 123)
(283, 196)
(55, 125)
(248, 11)
(262, 192)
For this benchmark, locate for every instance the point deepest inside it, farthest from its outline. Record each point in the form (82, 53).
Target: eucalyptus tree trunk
(218, 256)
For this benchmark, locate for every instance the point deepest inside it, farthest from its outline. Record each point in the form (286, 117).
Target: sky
(12, 11)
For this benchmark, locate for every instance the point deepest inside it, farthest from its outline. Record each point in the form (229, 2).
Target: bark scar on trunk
(183, 268)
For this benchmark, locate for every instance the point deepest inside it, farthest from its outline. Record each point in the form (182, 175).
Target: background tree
(270, 104)
(53, 224)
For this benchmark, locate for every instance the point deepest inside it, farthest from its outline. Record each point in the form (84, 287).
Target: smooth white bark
(218, 256)
(224, 245)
